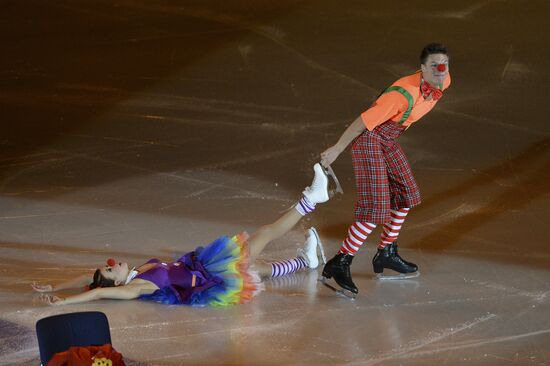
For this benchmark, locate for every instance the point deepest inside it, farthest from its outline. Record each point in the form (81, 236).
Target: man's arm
(332, 153)
(387, 106)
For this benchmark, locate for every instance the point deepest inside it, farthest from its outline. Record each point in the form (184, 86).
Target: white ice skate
(309, 251)
(317, 192)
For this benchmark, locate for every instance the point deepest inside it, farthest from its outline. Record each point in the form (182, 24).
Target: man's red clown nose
(441, 67)
(111, 262)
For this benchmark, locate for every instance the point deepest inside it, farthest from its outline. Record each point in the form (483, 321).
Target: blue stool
(60, 332)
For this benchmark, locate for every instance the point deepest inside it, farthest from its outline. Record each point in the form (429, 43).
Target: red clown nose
(111, 262)
(441, 67)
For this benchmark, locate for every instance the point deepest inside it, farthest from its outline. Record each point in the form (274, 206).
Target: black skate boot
(338, 267)
(389, 258)
(395, 252)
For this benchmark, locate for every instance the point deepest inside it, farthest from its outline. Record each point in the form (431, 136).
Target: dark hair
(432, 49)
(101, 281)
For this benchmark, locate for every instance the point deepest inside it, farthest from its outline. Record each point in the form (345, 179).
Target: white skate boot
(317, 192)
(309, 251)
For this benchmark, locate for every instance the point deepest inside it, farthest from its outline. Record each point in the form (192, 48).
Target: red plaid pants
(383, 175)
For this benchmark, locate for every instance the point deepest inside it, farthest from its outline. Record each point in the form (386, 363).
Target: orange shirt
(392, 105)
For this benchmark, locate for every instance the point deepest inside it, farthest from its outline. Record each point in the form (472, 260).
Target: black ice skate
(389, 258)
(338, 268)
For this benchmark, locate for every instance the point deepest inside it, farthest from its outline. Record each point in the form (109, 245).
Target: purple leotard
(184, 277)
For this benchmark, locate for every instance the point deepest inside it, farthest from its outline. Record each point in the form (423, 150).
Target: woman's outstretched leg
(270, 232)
(312, 195)
(306, 258)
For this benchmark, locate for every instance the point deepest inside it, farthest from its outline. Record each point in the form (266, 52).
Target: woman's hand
(41, 288)
(51, 299)
(330, 155)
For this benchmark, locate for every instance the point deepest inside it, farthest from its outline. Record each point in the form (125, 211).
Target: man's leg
(388, 255)
(393, 227)
(404, 195)
(357, 234)
(372, 206)
(339, 266)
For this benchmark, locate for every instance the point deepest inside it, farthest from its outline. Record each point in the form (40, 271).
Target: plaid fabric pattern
(383, 176)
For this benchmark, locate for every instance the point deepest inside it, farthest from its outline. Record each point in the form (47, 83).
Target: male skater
(386, 187)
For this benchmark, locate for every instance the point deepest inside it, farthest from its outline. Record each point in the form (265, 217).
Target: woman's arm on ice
(77, 282)
(127, 292)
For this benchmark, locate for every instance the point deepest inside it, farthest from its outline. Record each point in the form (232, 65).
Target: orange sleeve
(386, 106)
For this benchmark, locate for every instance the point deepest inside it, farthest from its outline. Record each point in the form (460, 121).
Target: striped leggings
(359, 231)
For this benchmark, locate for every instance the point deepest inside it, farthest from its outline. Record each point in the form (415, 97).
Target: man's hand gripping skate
(328, 157)
(320, 191)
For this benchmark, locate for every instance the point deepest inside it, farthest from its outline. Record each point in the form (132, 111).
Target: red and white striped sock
(392, 228)
(357, 234)
(282, 268)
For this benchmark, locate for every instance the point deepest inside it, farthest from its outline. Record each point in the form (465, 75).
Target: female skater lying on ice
(216, 275)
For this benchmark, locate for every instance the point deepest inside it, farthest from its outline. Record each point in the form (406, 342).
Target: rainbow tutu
(225, 265)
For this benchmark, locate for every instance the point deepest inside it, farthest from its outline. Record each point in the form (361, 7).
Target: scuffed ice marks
(17, 344)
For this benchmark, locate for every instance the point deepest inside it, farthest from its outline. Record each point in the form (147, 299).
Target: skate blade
(339, 291)
(329, 172)
(397, 277)
(320, 245)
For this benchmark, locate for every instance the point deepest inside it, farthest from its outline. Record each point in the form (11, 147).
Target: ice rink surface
(135, 129)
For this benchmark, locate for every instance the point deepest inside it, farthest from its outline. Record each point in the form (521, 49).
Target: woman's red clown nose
(441, 67)
(111, 262)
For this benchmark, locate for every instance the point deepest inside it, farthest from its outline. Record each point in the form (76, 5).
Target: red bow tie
(428, 90)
